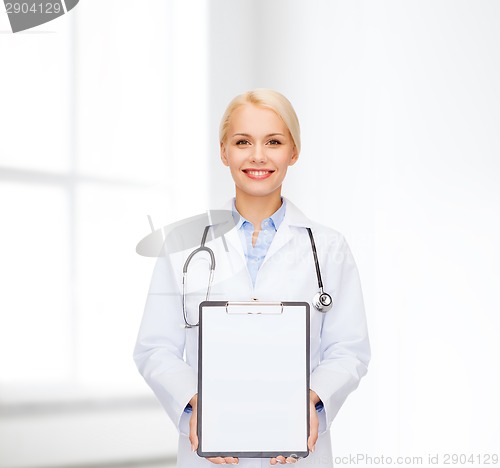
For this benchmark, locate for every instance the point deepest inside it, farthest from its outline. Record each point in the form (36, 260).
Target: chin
(259, 193)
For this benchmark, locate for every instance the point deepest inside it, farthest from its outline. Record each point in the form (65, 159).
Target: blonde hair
(267, 99)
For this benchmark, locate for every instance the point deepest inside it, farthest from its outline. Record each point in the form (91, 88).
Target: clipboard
(253, 379)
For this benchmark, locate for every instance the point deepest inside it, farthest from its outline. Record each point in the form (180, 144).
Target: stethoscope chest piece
(322, 301)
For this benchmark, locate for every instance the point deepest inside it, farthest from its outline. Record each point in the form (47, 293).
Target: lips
(258, 174)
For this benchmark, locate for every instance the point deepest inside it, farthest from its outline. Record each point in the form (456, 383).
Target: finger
(193, 432)
(311, 442)
(217, 460)
(291, 460)
(280, 459)
(313, 431)
(231, 460)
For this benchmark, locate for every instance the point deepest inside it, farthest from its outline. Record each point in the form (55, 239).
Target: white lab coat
(166, 353)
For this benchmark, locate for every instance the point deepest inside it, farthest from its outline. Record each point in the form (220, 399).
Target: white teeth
(258, 173)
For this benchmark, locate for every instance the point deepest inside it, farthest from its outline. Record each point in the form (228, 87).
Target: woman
(267, 256)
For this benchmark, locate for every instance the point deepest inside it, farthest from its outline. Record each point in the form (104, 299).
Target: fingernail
(192, 448)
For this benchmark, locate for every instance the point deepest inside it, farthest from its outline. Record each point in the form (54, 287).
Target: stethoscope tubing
(201, 248)
(321, 301)
(316, 261)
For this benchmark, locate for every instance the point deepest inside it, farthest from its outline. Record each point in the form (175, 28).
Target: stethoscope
(322, 301)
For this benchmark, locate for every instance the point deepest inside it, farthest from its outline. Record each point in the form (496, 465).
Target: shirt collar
(276, 218)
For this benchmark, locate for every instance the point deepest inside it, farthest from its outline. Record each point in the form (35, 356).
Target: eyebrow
(267, 136)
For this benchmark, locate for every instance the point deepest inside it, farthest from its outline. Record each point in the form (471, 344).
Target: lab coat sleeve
(344, 346)
(159, 349)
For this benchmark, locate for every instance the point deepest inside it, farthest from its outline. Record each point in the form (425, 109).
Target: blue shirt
(255, 254)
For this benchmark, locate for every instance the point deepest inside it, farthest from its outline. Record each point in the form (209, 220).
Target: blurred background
(110, 113)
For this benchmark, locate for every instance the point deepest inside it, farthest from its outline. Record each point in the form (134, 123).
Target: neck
(256, 209)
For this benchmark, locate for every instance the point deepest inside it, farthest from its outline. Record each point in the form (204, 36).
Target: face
(258, 150)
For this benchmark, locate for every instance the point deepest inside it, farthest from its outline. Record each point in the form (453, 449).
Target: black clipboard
(253, 379)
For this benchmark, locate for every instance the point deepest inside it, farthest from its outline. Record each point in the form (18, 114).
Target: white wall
(399, 106)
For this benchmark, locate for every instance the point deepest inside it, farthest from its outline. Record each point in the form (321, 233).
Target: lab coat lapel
(282, 237)
(233, 239)
(293, 218)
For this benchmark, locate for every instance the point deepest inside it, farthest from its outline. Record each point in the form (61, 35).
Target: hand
(193, 436)
(313, 430)
(313, 420)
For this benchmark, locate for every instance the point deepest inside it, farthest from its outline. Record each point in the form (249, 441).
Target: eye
(274, 142)
(242, 142)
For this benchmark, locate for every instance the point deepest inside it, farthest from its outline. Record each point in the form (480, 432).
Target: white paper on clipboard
(253, 379)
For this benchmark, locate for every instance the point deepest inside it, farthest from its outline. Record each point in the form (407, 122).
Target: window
(93, 139)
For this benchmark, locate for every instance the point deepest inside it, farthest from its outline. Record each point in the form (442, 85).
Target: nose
(259, 155)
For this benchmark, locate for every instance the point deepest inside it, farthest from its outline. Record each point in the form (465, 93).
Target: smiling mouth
(258, 173)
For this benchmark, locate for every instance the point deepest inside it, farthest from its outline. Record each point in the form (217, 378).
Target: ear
(223, 155)
(295, 156)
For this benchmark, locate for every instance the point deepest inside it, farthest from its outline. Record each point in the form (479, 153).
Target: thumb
(313, 430)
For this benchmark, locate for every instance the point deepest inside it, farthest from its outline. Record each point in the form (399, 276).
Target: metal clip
(254, 307)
